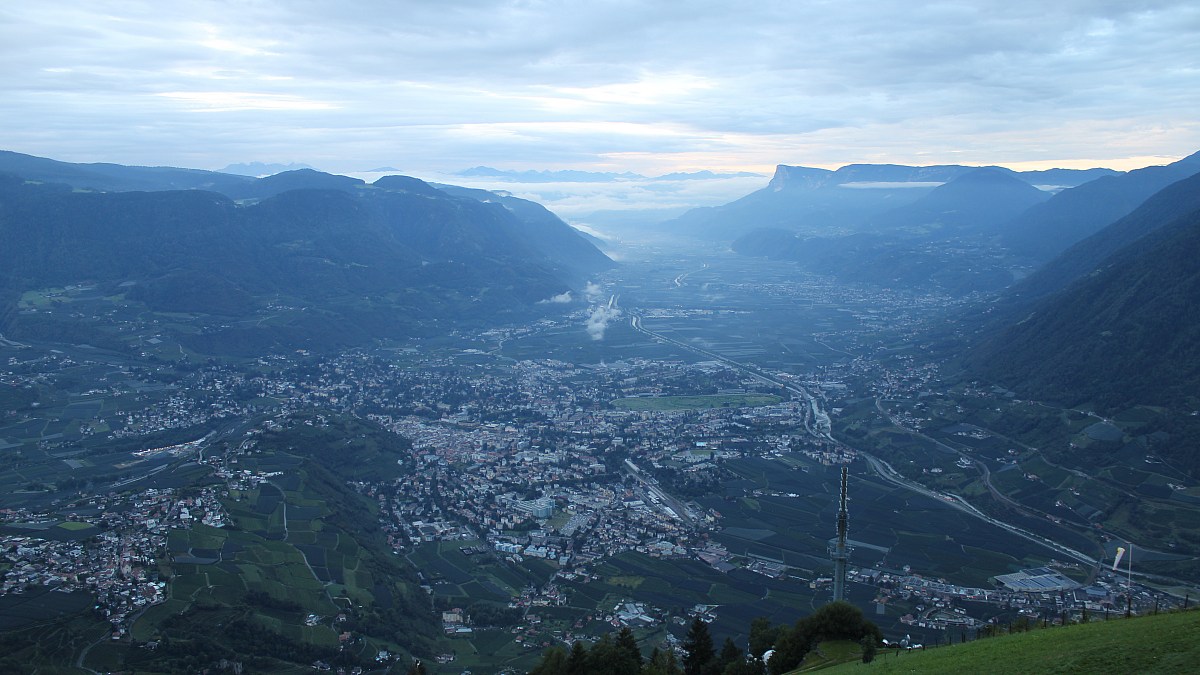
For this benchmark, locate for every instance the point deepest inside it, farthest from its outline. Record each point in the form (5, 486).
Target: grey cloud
(590, 84)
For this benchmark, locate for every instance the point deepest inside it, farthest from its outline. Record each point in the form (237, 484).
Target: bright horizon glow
(603, 86)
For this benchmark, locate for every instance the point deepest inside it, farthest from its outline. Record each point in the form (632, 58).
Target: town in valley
(681, 464)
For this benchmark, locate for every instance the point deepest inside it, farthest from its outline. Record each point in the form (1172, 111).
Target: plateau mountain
(819, 201)
(939, 240)
(107, 177)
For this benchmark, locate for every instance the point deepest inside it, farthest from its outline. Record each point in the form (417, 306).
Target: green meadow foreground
(1151, 644)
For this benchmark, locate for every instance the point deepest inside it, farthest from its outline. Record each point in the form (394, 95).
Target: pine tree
(607, 657)
(762, 636)
(554, 662)
(729, 654)
(699, 647)
(577, 662)
(628, 651)
(868, 648)
(662, 663)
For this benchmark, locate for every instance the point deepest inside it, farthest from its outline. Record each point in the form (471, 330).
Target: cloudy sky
(437, 86)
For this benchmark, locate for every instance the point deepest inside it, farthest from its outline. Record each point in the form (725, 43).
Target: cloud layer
(601, 85)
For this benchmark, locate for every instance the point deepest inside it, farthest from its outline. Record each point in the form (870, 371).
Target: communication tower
(839, 551)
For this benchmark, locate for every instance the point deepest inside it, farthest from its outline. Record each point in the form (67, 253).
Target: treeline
(771, 649)
(835, 621)
(619, 655)
(691, 484)
(201, 636)
(267, 601)
(485, 613)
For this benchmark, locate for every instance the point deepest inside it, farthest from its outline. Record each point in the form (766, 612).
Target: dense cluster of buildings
(111, 547)
(531, 457)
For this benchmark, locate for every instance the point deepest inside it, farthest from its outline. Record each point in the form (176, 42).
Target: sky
(434, 87)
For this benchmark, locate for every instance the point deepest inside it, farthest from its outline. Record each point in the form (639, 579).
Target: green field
(696, 402)
(1152, 644)
(253, 585)
(74, 526)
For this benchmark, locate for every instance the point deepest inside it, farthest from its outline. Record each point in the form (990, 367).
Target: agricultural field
(573, 344)
(292, 565)
(774, 511)
(1080, 480)
(695, 402)
(791, 518)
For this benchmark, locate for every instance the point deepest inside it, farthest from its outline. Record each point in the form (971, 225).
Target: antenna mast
(840, 551)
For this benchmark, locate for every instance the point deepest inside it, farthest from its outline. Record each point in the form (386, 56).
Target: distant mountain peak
(307, 179)
(705, 174)
(547, 176)
(989, 174)
(798, 177)
(577, 176)
(407, 184)
(261, 169)
(992, 178)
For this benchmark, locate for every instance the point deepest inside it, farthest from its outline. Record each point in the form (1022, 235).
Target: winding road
(679, 279)
(879, 466)
(890, 475)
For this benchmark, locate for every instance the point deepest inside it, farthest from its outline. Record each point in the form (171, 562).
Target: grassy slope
(1154, 644)
(327, 520)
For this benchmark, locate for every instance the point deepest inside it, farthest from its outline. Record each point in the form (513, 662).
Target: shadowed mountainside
(364, 260)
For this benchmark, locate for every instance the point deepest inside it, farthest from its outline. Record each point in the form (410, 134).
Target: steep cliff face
(819, 202)
(799, 177)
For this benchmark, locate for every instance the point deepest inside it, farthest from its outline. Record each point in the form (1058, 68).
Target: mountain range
(107, 177)
(1109, 325)
(352, 261)
(1046, 230)
(574, 176)
(816, 201)
(1104, 319)
(305, 258)
(260, 169)
(1111, 321)
(931, 241)
(956, 229)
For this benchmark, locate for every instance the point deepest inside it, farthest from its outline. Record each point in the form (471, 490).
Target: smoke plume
(561, 298)
(597, 323)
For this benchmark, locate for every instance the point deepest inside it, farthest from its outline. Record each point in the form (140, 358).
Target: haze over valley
(564, 430)
(523, 338)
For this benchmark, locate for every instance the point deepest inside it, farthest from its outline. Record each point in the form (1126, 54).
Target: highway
(879, 466)
(892, 476)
